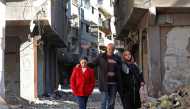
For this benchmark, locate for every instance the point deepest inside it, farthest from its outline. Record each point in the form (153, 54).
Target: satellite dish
(37, 3)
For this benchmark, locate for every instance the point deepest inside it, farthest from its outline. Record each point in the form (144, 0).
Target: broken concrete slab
(179, 99)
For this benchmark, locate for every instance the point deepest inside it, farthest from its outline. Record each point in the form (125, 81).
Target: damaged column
(154, 54)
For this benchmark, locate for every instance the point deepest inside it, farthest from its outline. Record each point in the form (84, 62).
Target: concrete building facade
(106, 23)
(157, 32)
(91, 21)
(89, 39)
(34, 46)
(81, 14)
(38, 37)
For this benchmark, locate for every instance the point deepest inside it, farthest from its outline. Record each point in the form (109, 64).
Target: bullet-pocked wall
(175, 51)
(176, 58)
(166, 58)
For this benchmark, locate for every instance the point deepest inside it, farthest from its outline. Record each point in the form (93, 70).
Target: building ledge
(170, 10)
(48, 30)
(105, 12)
(132, 21)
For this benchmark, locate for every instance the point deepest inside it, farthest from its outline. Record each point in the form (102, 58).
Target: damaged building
(158, 34)
(34, 47)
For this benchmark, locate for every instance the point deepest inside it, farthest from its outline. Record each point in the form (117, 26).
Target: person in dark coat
(109, 76)
(131, 79)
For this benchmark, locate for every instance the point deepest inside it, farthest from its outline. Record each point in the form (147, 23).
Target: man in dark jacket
(109, 77)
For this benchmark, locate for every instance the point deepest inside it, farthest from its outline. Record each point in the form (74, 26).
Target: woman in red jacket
(82, 82)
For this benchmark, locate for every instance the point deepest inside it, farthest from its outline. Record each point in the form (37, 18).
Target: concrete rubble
(179, 99)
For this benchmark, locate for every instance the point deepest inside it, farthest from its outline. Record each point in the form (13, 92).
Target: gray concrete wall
(122, 12)
(176, 59)
(58, 17)
(53, 11)
(154, 60)
(23, 10)
(174, 50)
(18, 13)
(15, 35)
(12, 66)
(168, 50)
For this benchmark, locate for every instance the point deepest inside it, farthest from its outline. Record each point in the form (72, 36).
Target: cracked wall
(177, 58)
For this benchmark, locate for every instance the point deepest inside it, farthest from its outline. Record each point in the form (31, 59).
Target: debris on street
(61, 99)
(179, 99)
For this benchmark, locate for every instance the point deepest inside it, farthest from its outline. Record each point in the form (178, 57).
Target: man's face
(110, 49)
(127, 55)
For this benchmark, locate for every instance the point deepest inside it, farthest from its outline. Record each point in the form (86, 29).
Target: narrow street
(61, 100)
(136, 43)
(65, 100)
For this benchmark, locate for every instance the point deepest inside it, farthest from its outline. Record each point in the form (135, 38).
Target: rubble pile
(179, 99)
